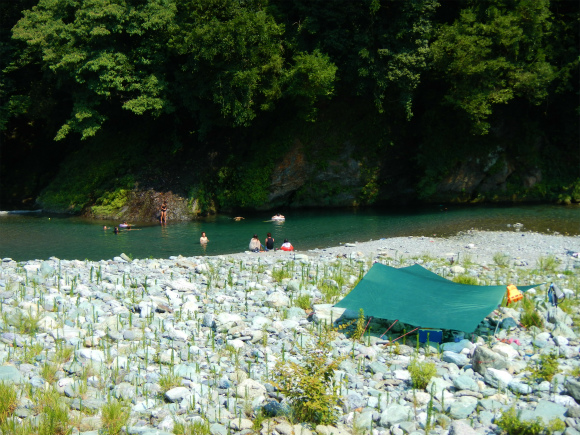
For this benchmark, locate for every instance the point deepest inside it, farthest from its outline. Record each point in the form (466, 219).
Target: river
(40, 236)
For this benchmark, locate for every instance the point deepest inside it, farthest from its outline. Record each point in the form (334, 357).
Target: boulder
(484, 358)
(394, 414)
(327, 313)
(250, 389)
(573, 388)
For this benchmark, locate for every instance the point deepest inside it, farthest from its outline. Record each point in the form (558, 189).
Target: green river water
(40, 236)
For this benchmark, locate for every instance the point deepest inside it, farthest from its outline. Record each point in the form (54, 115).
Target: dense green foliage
(217, 91)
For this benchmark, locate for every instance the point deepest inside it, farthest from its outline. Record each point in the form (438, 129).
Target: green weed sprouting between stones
(511, 424)
(195, 428)
(55, 418)
(421, 373)
(27, 323)
(303, 301)
(169, 381)
(501, 259)
(547, 264)
(546, 367)
(330, 293)
(530, 316)
(309, 388)
(360, 326)
(114, 416)
(466, 279)
(279, 274)
(8, 402)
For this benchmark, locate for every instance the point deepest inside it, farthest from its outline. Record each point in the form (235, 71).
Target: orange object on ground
(513, 294)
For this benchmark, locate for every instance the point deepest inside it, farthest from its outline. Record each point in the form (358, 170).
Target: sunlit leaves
(493, 53)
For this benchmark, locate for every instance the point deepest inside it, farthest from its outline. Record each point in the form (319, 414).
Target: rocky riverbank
(196, 344)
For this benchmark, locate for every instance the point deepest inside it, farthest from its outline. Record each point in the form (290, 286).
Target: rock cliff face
(297, 182)
(475, 180)
(144, 206)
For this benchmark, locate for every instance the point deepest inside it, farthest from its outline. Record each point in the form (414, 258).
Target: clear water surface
(40, 236)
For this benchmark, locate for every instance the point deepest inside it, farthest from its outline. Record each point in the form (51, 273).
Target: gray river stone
(10, 374)
(464, 382)
(546, 410)
(456, 358)
(394, 414)
(177, 394)
(573, 387)
(463, 407)
(459, 427)
(519, 387)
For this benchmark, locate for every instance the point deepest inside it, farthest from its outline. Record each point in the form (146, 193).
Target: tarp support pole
(370, 318)
(389, 328)
(405, 334)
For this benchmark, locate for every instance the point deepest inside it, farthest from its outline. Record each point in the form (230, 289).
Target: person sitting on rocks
(255, 244)
(286, 246)
(269, 242)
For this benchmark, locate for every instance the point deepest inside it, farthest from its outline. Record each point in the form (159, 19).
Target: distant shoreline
(480, 246)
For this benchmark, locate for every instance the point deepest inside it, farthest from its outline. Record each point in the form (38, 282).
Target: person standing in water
(203, 239)
(163, 217)
(269, 242)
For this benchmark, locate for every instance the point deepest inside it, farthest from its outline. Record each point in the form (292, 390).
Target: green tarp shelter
(419, 297)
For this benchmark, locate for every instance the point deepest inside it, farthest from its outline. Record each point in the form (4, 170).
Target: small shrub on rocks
(309, 386)
(360, 326)
(303, 301)
(546, 367)
(421, 373)
(511, 424)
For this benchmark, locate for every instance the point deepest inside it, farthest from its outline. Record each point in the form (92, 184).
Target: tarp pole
(370, 318)
(389, 328)
(404, 334)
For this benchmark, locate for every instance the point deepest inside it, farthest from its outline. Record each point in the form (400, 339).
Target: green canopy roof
(419, 297)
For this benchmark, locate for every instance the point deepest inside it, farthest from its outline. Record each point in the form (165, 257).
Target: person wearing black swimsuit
(269, 242)
(163, 217)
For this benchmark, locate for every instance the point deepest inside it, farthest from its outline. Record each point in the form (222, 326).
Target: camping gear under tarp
(419, 297)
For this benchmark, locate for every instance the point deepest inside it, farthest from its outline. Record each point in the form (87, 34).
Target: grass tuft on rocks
(115, 415)
(421, 373)
(9, 400)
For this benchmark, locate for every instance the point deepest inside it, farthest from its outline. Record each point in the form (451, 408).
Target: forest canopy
(76, 69)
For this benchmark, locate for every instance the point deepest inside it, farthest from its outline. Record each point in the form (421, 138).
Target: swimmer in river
(203, 239)
(238, 218)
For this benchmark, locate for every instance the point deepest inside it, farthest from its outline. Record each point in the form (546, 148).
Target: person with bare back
(163, 209)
